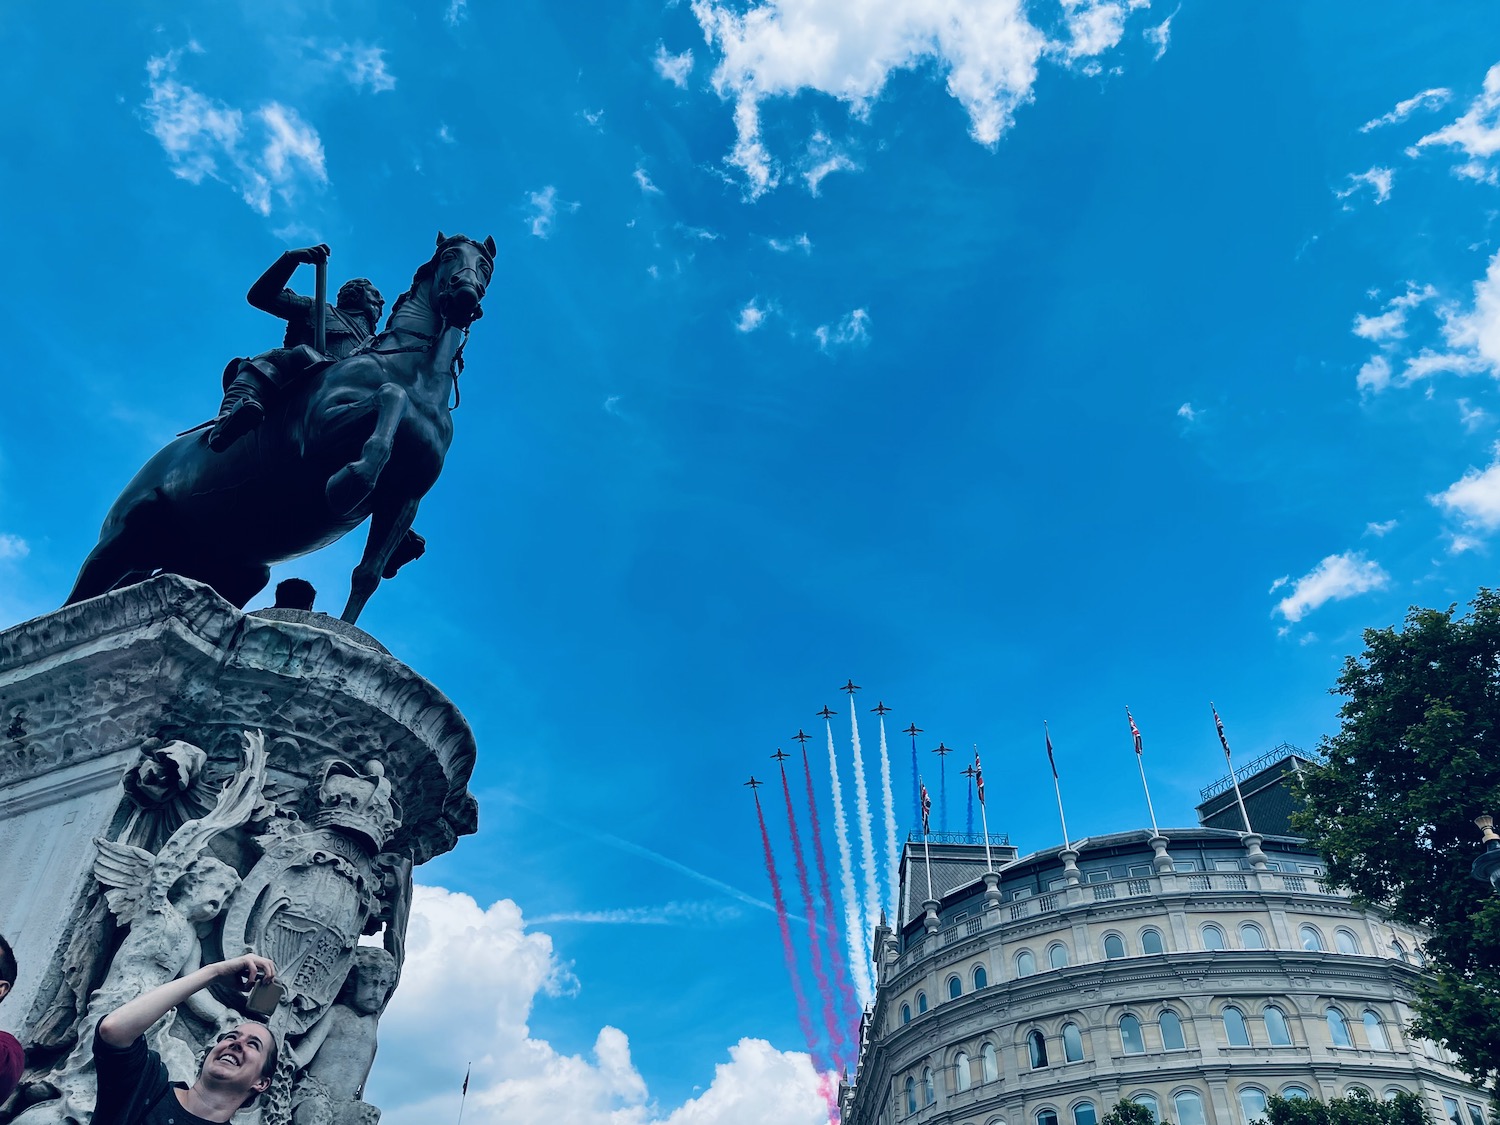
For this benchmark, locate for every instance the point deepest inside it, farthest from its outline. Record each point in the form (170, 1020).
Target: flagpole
(1057, 787)
(1234, 780)
(984, 817)
(1140, 761)
(926, 828)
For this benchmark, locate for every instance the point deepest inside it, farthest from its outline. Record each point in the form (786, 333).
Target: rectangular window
(1020, 892)
(1309, 869)
(960, 916)
(1231, 864)
(1142, 871)
(1056, 884)
(1185, 865)
(1096, 877)
(1450, 1107)
(1476, 1115)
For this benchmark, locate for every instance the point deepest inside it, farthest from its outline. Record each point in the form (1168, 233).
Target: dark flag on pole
(466, 1080)
(1135, 732)
(926, 809)
(1051, 761)
(978, 778)
(1224, 742)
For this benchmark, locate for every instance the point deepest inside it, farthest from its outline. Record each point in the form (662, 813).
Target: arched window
(1057, 956)
(1338, 1029)
(990, 1062)
(981, 978)
(1418, 956)
(929, 1091)
(1276, 1030)
(921, 1002)
(1399, 950)
(1072, 1043)
(1391, 1093)
(906, 1013)
(1131, 1038)
(1375, 1031)
(911, 1094)
(961, 1075)
(1151, 942)
(1025, 963)
(1036, 1046)
(1252, 936)
(955, 988)
(1294, 1093)
(1046, 1117)
(1353, 1090)
(1189, 1106)
(1312, 941)
(1171, 1031)
(1252, 1104)
(1345, 941)
(1114, 947)
(1150, 1102)
(1083, 1114)
(1213, 937)
(1235, 1030)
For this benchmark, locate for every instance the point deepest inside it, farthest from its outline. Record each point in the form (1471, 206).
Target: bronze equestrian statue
(363, 436)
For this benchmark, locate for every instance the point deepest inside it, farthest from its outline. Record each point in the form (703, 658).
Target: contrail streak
(825, 890)
(892, 857)
(857, 966)
(803, 1016)
(831, 1023)
(866, 834)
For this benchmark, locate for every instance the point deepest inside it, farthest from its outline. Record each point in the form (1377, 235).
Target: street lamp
(1487, 866)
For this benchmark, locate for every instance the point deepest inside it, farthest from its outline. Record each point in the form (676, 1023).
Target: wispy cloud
(363, 66)
(1473, 417)
(544, 206)
(13, 547)
(1335, 578)
(708, 913)
(644, 181)
(1187, 413)
(1476, 133)
(1380, 530)
(786, 245)
(1432, 99)
(1160, 35)
(822, 159)
(1093, 26)
(853, 328)
(751, 317)
(1377, 179)
(1390, 322)
(674, 68)
(456, 12)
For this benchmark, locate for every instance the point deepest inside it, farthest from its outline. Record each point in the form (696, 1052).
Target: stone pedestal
(157, 732)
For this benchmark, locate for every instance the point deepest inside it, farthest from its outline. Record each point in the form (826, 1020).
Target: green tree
(1358, 1108)
(1416, 758)
(1127, 1112)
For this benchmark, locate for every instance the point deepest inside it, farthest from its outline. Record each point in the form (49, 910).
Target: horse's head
(461, 275)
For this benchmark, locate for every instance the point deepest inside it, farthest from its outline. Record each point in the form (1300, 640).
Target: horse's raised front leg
(352, 485)
(388, 526)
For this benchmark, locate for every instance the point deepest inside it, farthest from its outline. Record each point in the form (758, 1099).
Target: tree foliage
(1358, 1108)
(1127, 1112)
(1416, 759)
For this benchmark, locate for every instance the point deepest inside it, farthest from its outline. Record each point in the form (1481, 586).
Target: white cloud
(1186, 412)
(1474, 497)
(674, 68)
(644, 181)
(594, 117)
(1375, 375)
(1376, 179)
(1427, 363)
(1380, 530)
(853, 328)
(1476, 133)
(751, 317)
(822, 159)
(362, 66)
(467, 990)
(206, 138)
(1335, 578)
(988, 53)
(1390, 324)
(1160, 35)
(1473, 417)
(784, 245)
(1458, 544)
(1427, 100)
(544, 208)
(1476, 332)
(13, 547)
(456, 13)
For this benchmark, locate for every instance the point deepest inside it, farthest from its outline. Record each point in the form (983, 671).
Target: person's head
(295, 593)
(7, 967)
(370, 980)
(243, 1060)
(359, 295)
(201, 893)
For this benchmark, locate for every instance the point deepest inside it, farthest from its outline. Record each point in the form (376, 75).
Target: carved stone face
(205, 889)
(372, 986)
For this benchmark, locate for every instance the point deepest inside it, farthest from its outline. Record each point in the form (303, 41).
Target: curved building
(1197, 971)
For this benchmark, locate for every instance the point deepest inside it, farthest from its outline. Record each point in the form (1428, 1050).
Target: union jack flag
(1135, 733)
(978, 778)
(1224, 742)
(926, 809)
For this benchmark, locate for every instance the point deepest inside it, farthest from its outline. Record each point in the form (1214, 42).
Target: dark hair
(7, 962)
(295, 593)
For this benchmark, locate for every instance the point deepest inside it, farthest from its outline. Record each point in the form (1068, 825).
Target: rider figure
(251, 385)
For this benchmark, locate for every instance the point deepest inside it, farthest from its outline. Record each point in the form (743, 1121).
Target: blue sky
(1018, 362)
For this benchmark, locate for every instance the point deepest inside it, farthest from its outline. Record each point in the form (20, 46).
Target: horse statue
(363, 437)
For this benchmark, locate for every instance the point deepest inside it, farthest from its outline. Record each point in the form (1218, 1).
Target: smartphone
(264, 997)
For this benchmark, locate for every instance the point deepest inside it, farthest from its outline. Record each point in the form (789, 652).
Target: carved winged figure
(162, 898)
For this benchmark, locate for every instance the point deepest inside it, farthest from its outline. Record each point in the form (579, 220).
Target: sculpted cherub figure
(162, 898)
(338, 1051)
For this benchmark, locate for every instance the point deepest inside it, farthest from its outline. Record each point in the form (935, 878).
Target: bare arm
(120, 1027)
(266, 293)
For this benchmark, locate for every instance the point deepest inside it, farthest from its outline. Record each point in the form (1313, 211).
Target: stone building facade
(1198, 972)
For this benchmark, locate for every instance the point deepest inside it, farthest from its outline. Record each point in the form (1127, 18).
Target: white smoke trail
(892, 856)
(866, 829)
(859, 964)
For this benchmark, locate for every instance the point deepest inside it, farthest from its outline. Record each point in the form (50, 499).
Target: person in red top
(12, 1057)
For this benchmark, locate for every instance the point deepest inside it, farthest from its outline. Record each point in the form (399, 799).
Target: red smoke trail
(835, 954)
(803, 1016)
(831, 1023)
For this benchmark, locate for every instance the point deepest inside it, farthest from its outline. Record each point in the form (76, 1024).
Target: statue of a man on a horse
(312, 438)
